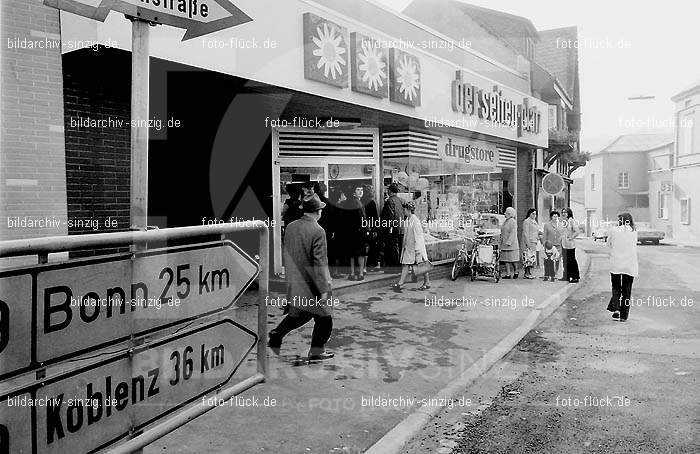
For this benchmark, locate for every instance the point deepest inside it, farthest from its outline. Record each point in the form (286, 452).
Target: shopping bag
(422, 267)
(529, 257)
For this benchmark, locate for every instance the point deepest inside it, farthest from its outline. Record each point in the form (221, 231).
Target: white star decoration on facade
(408, 78)
(329, 51)
(372, 67)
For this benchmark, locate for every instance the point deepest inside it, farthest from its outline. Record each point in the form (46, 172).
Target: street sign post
(85, 305)
(98, 405)
(198, 17)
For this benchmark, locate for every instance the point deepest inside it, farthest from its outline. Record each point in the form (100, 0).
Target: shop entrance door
(343, 179)
(342, 159)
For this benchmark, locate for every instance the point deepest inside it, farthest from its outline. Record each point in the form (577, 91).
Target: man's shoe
(274, 342)
(616, 314)
(360, 277)
(321, 356)
(515, 276)
(352, 277)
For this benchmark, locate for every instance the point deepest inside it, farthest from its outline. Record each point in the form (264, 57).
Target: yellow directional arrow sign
(198, 17)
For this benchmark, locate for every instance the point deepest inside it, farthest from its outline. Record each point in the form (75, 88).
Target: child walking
(551, 256)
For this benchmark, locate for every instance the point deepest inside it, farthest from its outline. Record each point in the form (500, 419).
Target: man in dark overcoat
(308, 281)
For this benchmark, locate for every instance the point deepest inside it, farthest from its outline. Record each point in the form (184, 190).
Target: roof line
(527, 21)
(432, 31)
(557, 29)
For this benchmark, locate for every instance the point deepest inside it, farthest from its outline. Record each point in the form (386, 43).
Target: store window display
(454, 200)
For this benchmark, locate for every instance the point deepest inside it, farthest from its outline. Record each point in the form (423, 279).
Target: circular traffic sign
(552, 183)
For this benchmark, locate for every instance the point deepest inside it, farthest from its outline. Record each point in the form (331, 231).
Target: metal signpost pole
(140, 70)
(139, 123)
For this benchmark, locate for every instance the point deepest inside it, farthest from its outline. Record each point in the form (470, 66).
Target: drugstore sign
(472, 152)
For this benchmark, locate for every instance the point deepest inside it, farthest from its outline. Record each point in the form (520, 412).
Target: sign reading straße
(84, 305)
(95, 406)
(198, 17)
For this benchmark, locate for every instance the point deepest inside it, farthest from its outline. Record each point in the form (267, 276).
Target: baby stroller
(484, 258)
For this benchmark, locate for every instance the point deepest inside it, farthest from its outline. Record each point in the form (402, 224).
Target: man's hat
(393, 187)
(312, 203)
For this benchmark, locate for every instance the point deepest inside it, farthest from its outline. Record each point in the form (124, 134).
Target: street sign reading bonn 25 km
(198, 17)
(52, 312)
(95, 406)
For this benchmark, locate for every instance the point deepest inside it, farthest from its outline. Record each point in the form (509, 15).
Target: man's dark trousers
(323, 326)
(392, 250)
(621, 294)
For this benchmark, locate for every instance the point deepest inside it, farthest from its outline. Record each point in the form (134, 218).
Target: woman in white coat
(413, 251)
(624, 266)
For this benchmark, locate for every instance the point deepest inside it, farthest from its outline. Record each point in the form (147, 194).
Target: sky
(658, 56)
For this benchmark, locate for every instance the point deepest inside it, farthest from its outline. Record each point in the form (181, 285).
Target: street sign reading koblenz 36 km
(92, 407)
(56, 311)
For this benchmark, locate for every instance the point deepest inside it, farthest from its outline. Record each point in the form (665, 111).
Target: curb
(439, 272)
(395, 440)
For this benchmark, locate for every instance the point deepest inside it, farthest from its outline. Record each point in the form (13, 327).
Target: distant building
(577, 198)
(617, 178)
(550, 62)
(555, 80)
(682, 197)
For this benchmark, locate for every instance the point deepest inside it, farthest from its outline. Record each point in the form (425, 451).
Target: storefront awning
(404, 144)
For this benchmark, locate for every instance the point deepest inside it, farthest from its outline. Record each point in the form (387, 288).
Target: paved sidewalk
(387, 345)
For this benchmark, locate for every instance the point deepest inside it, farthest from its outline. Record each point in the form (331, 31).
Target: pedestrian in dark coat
(308, 281)
(358, 234)
(374, 256)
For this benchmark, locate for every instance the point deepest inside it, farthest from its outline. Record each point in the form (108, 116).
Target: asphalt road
(582, 382)
(394, 352)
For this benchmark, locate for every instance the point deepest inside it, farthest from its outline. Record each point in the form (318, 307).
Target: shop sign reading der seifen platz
(494, 107)
(198, 17)
(52, 312)
(95, 406)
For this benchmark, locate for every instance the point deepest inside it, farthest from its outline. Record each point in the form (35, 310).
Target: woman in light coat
(413, 251)
(624, 266)
(552, 233)
(508, 244)
(530, 239)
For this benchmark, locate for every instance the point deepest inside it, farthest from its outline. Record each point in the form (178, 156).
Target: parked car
(645, 234)
(601, 232)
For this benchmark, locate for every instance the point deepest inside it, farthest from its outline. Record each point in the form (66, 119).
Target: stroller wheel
(456, 269)
(472, 276)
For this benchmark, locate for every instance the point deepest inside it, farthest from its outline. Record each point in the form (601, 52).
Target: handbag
(529, 257)
(423, 267)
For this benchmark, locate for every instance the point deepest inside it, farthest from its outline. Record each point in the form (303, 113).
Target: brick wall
(97, 155)
(32, 160)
